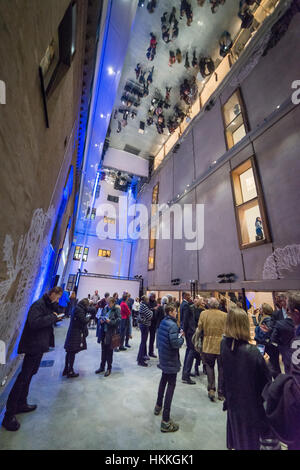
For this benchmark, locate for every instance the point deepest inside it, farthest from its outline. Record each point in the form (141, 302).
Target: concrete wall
(276, 147)
(116, 265)
(35, 160)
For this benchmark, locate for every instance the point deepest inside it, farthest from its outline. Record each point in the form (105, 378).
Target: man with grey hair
(213, 303)
(212, 324)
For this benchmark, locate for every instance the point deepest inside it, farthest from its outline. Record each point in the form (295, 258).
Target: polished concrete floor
(112, 413)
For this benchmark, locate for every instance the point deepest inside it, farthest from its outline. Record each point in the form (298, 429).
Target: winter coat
(184, 307)
(282, 404)
(283, 332)
(71, 306)
(169, 342)
(107, 330)
(189, 325)
(38, 333)
(125, 311)
(245, 376)
(212, 323)
(78, 330)
(145, 315)
(152, 304)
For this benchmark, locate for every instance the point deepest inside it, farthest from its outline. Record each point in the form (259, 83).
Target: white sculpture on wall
(23, 269)
(283, 259)
(2, 352)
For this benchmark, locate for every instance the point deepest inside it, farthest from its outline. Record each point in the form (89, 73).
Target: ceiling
(202, 36)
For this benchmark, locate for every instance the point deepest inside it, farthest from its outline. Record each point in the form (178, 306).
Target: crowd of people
(203, 66)
(261, 397)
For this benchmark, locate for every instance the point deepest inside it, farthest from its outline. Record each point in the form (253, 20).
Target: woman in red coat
(124, 329)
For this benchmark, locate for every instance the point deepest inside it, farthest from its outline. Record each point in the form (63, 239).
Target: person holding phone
(37, 337)
(76, 336)
(109, 322)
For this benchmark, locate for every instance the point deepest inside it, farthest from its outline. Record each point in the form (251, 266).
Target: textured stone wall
(35, 160)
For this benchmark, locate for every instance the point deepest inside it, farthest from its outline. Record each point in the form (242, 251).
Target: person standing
(130, 303)
(135, 311)
(37, 337)
(189, 327)
(245, 376)
(109, 322)
(124, 327)
(95, 298)
(152, 329)
(100, 307)
(160, 313)
(282, 336)
(145, 316)
(186, 297)
(76, 336)
(93, 308)
(116, 297)
(273, 351)
(212, 323)
(198, 307)
(72, 304)
(103, 302)
(64, 301)
(170, 341)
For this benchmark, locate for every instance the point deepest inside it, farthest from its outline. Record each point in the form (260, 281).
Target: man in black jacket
(189, 327)
(184, 307)
(36, 339)
(281, 336)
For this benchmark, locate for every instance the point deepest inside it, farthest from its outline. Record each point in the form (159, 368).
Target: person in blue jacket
(169, 339)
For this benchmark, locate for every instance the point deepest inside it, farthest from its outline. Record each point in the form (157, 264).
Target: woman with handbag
(76, 336)
(107, 335)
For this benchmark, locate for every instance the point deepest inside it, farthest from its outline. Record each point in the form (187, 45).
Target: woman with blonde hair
(245, 375)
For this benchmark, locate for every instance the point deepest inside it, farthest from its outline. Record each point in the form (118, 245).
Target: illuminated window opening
(249, 206)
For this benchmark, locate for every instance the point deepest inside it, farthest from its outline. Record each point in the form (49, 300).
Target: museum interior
(150, 151)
